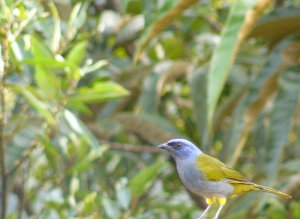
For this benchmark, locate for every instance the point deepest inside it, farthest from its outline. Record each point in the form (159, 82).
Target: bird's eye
(176, 144)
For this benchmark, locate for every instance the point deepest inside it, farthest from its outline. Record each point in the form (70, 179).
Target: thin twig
(130, 147)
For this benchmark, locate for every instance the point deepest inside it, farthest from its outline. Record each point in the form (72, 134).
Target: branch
(130, 147)
(3, 168)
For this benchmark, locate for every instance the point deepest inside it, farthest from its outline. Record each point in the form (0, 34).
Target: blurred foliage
(89, 88)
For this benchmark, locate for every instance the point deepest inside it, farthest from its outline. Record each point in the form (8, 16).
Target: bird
(208, 177)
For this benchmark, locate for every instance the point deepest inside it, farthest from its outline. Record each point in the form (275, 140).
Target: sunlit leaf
(123, 193)
(77, 53)
(110, 208)
(55, 41)
(94, 67)
(78, 127)
(45, 79)
(39, 49)
(77, 18)
(50, 63)
(101, 91)
(74, 185)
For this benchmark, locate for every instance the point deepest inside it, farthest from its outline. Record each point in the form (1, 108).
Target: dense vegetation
(90, 88)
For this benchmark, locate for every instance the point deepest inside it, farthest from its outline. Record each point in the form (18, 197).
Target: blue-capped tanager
(208, 177)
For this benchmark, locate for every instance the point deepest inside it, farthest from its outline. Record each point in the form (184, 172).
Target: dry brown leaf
(162, 23)
(251, 18)
(273, 30)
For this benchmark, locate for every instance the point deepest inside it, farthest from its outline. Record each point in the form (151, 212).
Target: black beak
(164, 146)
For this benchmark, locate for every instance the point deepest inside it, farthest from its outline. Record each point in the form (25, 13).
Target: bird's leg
(205, 212)
(209, 201)
(222, 202)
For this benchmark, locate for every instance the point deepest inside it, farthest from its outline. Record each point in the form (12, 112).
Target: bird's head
(181, 149)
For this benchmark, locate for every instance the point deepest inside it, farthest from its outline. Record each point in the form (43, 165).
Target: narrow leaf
(100, 92)
(78, 127)
(280, 120)
(77, 53)
(55, 41)
(40, 106)
(281, 22)
(199, 96)
(162, 23)
(261, 90)
(234, 33)
(141, 182)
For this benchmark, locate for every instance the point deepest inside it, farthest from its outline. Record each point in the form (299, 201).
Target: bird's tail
(274, 191)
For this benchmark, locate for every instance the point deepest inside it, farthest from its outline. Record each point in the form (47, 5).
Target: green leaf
(123, 193)
(39, 50)
(130, 31)
(251, 105)
(50, 63)
(47, 81)
(223, 55)
(100, 92)
(89, 203)
(77, 53)
(142, 181)
(284, 106)
(42, 107)
(1, 60)
(110, 207)
(50, 151)
(74, 185)
(94, 67)
(85, 163)
(78, 127)
(77, 18)
(199, 96)
(148, 99)
(55, 41)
